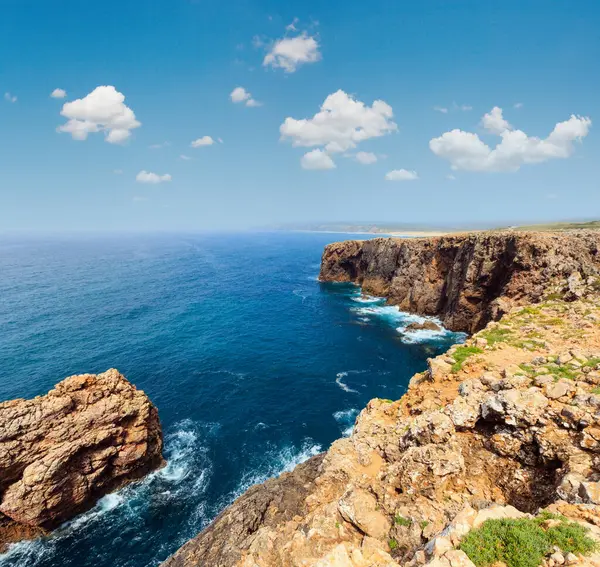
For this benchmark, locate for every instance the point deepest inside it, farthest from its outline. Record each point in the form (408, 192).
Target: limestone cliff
(504, 426)
(465, 280)
(61, 452)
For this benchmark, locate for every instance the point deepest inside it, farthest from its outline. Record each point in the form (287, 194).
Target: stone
(360, 508)
(558, 558)
(497, 512)
(571, 559)
(438, 546)
(555, 390)
(430, 427)
(61, 452)
(438, 369)
(424, 326)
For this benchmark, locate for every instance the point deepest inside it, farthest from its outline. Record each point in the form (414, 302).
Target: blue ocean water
(253, 364)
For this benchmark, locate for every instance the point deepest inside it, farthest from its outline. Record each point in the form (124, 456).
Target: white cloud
(10, 98)
(518, 105)
(240, 94)
(494, 121)
(366, 158)
(159, 146)
(118, 171)
(289, 53)
(149, 177)
(317, 159)
(466, 107)
(58, 93)
(465, 150)
(451, 177)
(441, 109)
(204, 141)
(184, 157)
(401, 175)
(341, 124)
(292, 26)
(102, 110)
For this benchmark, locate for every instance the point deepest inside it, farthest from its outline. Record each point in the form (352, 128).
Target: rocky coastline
(498, 438)
(61, 452)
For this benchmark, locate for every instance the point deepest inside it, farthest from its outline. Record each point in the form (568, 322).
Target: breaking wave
(346, 420)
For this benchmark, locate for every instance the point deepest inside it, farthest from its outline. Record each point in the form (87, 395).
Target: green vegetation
(461, 354)
(524, 543)
(423, 524)
(401, 521)
(386, 400)
(494, 336)
(596, 390)
(392, 543)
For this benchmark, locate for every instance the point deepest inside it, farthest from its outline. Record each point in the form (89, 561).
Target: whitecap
(339, 380)
(368, 299)
(346, 419)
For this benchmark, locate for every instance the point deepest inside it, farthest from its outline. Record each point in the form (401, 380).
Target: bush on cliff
(525, 542)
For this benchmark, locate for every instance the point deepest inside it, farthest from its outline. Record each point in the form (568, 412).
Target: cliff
(465, 280)
(61, 452)
(493, 454)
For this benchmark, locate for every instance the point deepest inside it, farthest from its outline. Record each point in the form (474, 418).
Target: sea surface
(253, 364)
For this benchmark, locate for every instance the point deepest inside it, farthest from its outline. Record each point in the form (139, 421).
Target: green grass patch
(596, 390)
(423, 524)
(402, 521)
(592, 362)
(529, 310)
(461, 354)
(494, 336)
(393, 544)
(524, 543)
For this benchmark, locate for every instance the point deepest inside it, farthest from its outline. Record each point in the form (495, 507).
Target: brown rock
(466, 280)
(425, 326)
(61, 452)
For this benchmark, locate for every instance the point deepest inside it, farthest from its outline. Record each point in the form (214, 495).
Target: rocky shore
(492, 457)
(61, 452)
(466, 280)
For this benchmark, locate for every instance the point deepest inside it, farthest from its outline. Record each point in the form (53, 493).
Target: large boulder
(61, 452)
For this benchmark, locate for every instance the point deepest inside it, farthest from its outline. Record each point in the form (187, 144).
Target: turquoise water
(253, 364)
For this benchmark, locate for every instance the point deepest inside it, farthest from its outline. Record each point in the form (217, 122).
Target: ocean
(253, 364)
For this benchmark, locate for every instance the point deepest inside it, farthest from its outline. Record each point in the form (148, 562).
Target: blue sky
(439, 67)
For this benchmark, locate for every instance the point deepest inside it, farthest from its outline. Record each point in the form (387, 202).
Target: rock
(555, 390)
(430, 427)
(425, 326)
(575, 287)
(571, 559)
(496, 512)
(438, 369)
(360, 509)
(515, 407)
(466, 280)
(438, 546)
(458, 558)
(61, 452)
(558, 558)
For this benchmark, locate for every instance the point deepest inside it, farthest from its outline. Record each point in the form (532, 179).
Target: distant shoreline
(415, 233)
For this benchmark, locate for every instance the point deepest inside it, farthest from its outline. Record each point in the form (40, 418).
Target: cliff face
(501, 427)
(465, 280)
(61, 452)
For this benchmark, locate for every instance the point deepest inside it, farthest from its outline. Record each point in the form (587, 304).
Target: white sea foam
(368, 299)
(346, 419)
(340, 382)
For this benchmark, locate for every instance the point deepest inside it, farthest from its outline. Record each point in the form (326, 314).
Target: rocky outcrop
(61, 452)
(466, 280)
(504, 426)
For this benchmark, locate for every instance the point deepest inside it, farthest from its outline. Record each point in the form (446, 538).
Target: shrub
(401, 521)
(524, 543)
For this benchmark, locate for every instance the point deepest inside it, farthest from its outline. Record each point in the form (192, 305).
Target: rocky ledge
(492, 457)
(466, 280)
(61, 452)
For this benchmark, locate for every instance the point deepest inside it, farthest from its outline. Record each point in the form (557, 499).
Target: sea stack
(61, 452)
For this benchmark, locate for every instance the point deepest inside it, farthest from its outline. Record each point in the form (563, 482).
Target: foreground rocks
(467, 280)
(504, 426)
(61, 452)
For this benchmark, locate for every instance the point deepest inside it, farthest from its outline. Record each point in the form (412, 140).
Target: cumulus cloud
(366, 158)
(184, 157)
(153, 178)
(204, 141)
(317, 159)
(441, 109)
(102, 110)
(289, 53)
(401, 175)
(58, 93)
(10, 98)
(465, 150)
(240, 94)
(341, 124)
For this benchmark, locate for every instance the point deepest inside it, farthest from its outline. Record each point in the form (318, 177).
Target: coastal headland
(496, 442)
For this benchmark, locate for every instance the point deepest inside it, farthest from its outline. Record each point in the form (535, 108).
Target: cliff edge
(492, 457)
(61, 452)
(465, 280)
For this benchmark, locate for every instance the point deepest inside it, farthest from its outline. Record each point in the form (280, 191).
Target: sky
(204, 114)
